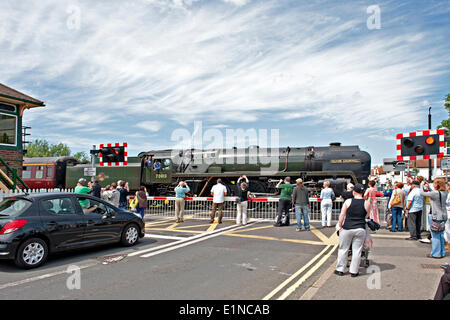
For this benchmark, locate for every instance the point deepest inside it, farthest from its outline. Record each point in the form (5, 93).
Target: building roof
(10, 93)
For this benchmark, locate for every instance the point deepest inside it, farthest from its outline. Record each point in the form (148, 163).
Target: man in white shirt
(219, 192)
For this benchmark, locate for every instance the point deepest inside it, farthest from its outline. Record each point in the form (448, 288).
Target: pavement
(196, 260)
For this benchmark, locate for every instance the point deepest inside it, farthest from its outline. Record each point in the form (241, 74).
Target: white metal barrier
(258, 208)
(16, 192)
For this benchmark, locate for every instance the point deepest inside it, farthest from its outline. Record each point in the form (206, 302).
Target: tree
(42, 148)
(446, 123)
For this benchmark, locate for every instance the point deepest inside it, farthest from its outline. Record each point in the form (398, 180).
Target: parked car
(36, 225)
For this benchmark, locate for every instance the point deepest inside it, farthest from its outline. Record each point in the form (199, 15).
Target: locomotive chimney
(335, 144)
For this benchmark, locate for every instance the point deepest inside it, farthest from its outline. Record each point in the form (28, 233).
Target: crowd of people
(405, 208)
(115, 194)
(408, 203)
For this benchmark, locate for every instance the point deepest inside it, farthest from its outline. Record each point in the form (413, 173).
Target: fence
(258, 208)
(16, 192)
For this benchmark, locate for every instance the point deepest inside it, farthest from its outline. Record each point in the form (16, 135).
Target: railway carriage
(47, 172)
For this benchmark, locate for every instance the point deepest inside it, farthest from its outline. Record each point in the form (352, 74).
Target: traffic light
(426, 144)
(113, 154)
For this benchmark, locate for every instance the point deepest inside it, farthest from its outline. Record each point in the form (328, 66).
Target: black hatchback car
(32, 226)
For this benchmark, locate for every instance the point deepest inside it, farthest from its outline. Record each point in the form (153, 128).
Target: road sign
(90, 172)
(420, 145)
(445, 164)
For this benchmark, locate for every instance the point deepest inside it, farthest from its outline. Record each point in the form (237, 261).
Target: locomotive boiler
(263, 167)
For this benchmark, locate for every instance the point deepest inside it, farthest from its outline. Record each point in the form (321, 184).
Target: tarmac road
(196, 260)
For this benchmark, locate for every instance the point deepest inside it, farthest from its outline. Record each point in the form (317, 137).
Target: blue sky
(135, 71)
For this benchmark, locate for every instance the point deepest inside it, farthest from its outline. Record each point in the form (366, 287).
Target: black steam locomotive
(162, 170)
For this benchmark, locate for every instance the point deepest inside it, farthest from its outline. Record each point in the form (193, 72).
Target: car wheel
(130, 235)
(32, 253)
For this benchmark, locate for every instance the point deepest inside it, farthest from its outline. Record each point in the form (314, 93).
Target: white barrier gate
(258, 208)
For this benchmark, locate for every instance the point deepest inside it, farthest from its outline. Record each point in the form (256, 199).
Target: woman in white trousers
(326, 205)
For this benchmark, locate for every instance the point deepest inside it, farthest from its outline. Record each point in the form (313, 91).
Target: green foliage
(81, 156)
(446, 123)
(42, 148)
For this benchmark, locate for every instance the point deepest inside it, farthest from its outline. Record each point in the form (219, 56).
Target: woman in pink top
(371, 195)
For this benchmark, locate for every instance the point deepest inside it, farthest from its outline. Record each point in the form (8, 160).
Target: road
(199, 261)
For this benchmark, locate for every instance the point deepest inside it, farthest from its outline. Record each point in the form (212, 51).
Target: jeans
(302, 211)
(437, 242)
(396, 218)
(123, 207)
(326, 208)
(141, 211)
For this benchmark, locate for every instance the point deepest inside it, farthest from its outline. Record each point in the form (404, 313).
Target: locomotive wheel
(257, 186)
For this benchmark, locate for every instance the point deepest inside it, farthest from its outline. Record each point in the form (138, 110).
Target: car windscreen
(13, 207)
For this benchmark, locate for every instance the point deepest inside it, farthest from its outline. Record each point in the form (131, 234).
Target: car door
(102, 225)
(63, 223)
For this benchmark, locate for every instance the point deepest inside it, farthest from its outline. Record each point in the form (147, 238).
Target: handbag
(396, 200)
(374, 226)
(134, 202)
(437, 226)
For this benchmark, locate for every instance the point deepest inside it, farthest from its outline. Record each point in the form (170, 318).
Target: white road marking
(205, 236)
(305, 277)
(44, 276)
(159, 236)
(136, 253)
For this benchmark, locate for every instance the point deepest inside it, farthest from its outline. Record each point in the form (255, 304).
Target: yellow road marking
(319, 234)
(213, 226)
(295, 275)
(317, 243)
(160, 222)
(250, 229)
(305, 277)
(194, 226)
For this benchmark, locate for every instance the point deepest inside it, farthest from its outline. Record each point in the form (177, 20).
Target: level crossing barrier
(258, 208)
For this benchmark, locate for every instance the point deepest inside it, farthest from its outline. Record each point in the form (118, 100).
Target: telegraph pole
(429, 128)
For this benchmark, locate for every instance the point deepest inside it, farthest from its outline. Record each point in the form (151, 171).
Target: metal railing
(258, 208)
(10, 193)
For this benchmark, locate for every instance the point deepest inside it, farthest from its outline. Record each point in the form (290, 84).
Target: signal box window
(8, 129)
(58, 206)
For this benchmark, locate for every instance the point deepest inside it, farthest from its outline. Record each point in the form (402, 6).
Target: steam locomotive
(263, 167)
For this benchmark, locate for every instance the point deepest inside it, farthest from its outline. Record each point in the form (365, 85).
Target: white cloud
(151, 126)
(186, 60)
(238, 3)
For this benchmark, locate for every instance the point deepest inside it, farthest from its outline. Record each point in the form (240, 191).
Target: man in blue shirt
(414, 211)
(180, 193)
(156, 166)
